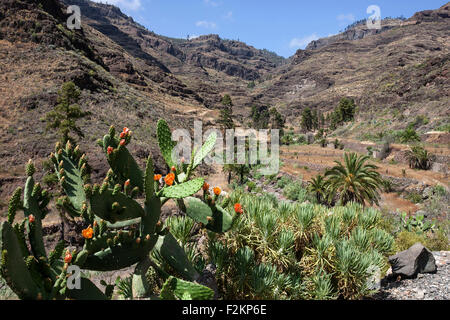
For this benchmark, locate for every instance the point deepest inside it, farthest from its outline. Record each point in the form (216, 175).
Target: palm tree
(356, 180)
(419, 158)
(317, 186)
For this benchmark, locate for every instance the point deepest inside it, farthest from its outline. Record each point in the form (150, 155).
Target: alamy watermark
(74, 20)
(242, 146)
(374, 21)
(74, 280)
(374, 278)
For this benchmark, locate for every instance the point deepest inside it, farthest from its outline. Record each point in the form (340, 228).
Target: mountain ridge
(130, 76)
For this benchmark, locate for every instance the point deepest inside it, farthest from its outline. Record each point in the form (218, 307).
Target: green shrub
(50, 179)
(251, 185)
(283, 182)
(437, 241)
(414, 197)
(280, 250)
(296, 192)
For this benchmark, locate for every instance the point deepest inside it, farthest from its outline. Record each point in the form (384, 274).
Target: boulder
(413, 261)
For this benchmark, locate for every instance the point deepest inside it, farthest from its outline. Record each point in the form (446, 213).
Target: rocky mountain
(356, 32)
(208, 65)
(131, 76)
(393, 74)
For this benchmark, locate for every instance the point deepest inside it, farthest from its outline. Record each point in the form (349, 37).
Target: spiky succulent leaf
(123, 163)
(140, 284)
(149, 182)
(73, 184)
(174, 255)
(184, 290)
(114, 206)
(13, 267)
(14, 204)
(119, 256)
(199, 211)
(165, 142)
(87, 291)
(205, 149)
(31, 207)
(183, 190)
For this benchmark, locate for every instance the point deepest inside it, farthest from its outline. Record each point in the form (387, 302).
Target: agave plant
(419, 158)
(355, 180)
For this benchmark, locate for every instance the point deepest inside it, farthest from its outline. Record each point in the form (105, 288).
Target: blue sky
(281, 26)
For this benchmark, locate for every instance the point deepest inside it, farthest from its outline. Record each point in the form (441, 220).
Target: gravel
(426, 286)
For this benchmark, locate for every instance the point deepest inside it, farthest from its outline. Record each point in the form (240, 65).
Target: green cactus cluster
(123, 230)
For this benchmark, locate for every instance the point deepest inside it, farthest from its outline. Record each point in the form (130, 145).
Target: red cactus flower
(169, 179)
(31, 218)
(205, 186)
(110, 150)
(88, 233)
(122, 135)
(122, 142)
(217, 191)
(238, 208)
(173, 169)
(127, 183)
(68, 257)
(126, 130)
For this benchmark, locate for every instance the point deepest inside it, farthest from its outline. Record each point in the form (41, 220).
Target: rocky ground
(425, 287)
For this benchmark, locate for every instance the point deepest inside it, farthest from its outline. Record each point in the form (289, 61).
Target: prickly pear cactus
(123, 218)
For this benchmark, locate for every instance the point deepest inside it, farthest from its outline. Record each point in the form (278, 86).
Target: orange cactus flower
(123, 135)
(238, 208)
(88, 233)
(205, 186)
(68, 257)
(31, 218)
(169, 179)
(217, 191)
(126, 130)
(110, 150)
(157, 177)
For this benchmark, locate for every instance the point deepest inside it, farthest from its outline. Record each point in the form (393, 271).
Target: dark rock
(208, 279)
(413, 261)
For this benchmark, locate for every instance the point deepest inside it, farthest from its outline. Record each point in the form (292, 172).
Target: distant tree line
(314, 119)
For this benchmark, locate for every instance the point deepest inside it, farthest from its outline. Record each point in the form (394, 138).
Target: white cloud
(212, 3)
(345, 19)
(303, 42)
(126, 4)
(206, 24)
(228, 16)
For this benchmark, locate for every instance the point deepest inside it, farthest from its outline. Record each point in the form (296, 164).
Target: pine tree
(226, 114)
(307, 119)
(64, 115)
(315, 119)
